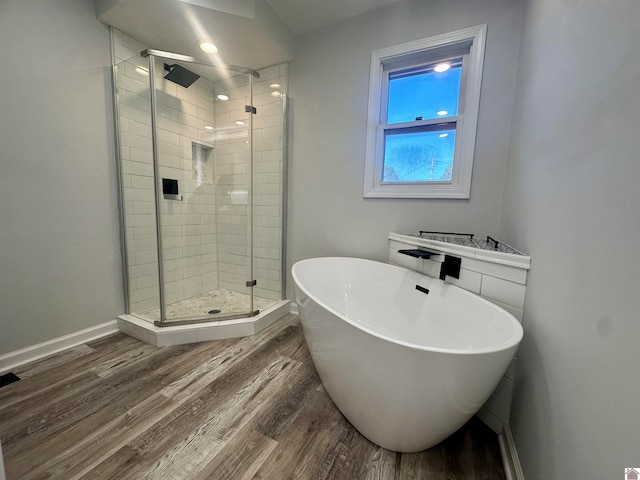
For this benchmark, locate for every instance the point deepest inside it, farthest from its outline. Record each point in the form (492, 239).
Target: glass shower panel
(204, 162)
(136, 160)
(268, 177)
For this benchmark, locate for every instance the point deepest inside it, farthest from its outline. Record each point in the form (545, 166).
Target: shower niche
(217, 253)
(200, 156)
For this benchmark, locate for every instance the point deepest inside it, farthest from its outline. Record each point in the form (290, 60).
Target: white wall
(59, 247)
(329, 92)
(571, 201)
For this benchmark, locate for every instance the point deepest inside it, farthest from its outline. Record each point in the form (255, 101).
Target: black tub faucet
(450, 267)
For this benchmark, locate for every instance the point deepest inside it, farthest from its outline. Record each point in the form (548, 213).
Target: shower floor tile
(228, 302)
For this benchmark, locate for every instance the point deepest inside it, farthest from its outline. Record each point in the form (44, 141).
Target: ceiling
(249, 33)
(305, 15)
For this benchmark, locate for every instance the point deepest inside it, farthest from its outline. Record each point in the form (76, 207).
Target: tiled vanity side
(499, 278)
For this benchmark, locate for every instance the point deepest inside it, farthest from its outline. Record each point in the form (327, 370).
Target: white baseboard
(294, 308)
(35, 352)
(16, 358)
(510, 460)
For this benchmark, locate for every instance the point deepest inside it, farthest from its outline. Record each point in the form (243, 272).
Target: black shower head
(180, 75)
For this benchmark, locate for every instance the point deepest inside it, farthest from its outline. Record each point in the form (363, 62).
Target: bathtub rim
(514, 341)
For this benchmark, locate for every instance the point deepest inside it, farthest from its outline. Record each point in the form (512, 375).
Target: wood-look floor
(233, 409)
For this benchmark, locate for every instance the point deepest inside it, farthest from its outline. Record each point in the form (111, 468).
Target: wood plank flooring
(248, 408)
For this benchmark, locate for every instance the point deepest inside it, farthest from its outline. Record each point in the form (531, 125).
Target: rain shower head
(180, 75)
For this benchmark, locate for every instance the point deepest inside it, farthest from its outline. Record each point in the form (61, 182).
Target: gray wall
(571, 201)
(329, 93)
(59, 247)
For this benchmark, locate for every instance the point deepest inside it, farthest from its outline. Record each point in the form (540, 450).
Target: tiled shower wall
(205, 236)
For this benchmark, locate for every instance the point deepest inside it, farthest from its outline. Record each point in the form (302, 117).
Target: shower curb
(201, 332)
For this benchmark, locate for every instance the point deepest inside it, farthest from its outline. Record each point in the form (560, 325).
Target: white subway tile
(171, 242)
(264, 121)
(141, 220)
(135, 141)
(138, 181)
(172, 297)
(492, 421)
(174, 264)
(139, 102)
(141, 129)
(516, 312)
(173, 275)
(274, 295)
(205, 268)
(132, 112)
(431, 268)
(171, 253)
(511, 369)
(504, 291)
(147, 281)
(500, 407)
(143, 294)
(193, 240)
(513, 274)
(209, 257)
(171, 231)
(504, 389)
(273, 108)
(468, 280)
(268, 144)
(131, 82)
(137, 271)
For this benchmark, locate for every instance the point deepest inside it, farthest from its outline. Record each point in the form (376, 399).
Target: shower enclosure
(201, 158)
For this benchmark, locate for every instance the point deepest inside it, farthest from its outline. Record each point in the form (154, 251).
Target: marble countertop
(480, 249)
(465, 241)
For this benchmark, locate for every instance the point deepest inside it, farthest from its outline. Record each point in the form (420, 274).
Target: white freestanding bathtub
(406, 368)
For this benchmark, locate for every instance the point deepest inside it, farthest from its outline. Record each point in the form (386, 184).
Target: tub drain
(214, 311)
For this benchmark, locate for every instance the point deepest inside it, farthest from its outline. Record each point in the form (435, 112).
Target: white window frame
(425, 51)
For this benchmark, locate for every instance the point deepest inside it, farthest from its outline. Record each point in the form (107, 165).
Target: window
(423, 111)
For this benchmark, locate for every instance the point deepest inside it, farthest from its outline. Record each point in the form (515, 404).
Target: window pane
(425, 156)
(423, 92)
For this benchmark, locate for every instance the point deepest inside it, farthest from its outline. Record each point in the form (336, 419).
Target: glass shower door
(203, 147)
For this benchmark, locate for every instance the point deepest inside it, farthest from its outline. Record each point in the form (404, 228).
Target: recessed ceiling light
(276, 93)
(441, 112)
(275, 85)
(222, 97)
(443, 135)
(239, 122)
(208, 47)
(442, 67)
(142, 70)
(208, 127)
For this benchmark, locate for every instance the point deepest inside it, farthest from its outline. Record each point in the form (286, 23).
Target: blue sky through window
(423, 153)
(423, 95)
